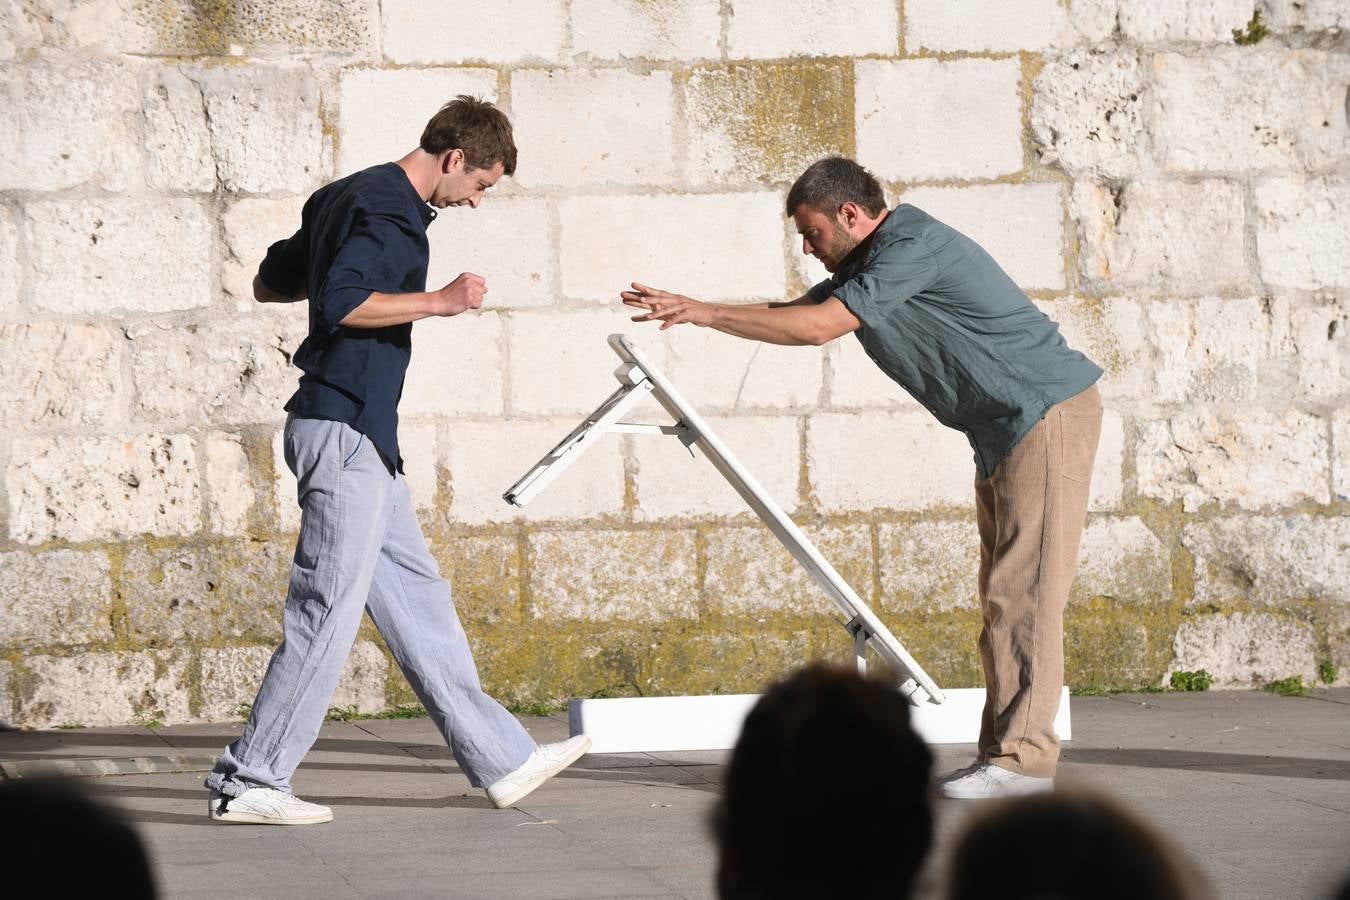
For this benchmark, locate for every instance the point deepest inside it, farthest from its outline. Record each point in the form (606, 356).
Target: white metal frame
(638, 379)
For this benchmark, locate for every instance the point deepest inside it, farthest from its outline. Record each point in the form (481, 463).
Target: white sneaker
(983, 781)
(546, 761)
(266, 806)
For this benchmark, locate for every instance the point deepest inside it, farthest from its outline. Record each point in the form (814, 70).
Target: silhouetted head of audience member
(64, 843)
(827, 793)
(1067, 846)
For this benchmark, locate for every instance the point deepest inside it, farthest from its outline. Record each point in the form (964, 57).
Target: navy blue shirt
(363, 234)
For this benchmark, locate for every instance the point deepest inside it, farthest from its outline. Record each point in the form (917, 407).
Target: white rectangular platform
(662, 724)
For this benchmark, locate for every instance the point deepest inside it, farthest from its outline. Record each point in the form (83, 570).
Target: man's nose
(474, 201)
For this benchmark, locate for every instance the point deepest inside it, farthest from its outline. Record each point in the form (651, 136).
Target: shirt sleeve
(285, 269)
(821, 292)
(375, 256)
(896, 273)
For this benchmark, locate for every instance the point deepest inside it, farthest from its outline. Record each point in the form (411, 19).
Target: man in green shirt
(942, 319)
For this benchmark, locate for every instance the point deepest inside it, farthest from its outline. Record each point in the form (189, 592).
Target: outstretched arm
(801, 322)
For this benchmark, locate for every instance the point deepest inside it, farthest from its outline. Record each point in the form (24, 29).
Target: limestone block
(1340, 439)
(923, 119)
(6, 669)
(1188, 236)
(1307, 15)
(1270, 561)
(634, 29)
(486, 458)
(177, 138)
(672, 483)
(382, 112)
(288, 153)
(1113, 332)
(58, 374)
(1087, 113)
(887, 460)
(174, 28)
(419, 446)
(1197, 21)
(60, 597)
(1121, 559)
(766, 121)
(560, 362)
(1021, 225)
(230, 679)
(600, 126)
(1208, 350)
(493, 31)
(69, 124)
(218, 591)
(484, 571)
(10, 272)
(1245, 649)
(224, 371)
(677, 243)
(362, 682)
(646, 575)
(249, 226)
(858, 383)
(102, 255)
(1251, 459)
(929, 566)
(457, 367)
(765, 29)
(20, 31)
(987, 26)
(715, 371)
(1303, 231)
(1108, 485)
(1244, 109)
(750, 571)
(286, 492)
(229, 484)
(102, 689)
(82, 488)
(1089, 22)
(507, 241)
(1320, 340)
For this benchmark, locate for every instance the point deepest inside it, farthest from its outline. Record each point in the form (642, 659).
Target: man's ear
(849, 214)
(451, 160)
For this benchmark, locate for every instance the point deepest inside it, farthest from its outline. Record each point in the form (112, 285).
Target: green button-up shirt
(945, 322)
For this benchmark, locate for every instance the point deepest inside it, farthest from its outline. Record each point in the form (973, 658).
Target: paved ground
(1256, 787)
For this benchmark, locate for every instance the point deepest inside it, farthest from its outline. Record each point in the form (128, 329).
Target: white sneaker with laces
(546, 761)
(984, 781)
(266, 806)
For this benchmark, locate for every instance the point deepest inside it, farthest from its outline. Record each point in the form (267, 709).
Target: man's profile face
(824, 236)
(460, 185)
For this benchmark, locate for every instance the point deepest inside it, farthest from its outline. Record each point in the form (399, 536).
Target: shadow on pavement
(1232, 763)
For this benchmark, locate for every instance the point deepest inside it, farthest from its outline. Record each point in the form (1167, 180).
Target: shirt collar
(862, 254)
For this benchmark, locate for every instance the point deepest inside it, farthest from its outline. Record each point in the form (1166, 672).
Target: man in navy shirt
(360, 257)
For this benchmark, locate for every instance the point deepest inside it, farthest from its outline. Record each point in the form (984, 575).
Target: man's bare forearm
(788, 324)
(382, 310)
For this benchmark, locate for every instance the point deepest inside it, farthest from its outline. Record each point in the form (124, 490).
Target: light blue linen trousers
(361, 547)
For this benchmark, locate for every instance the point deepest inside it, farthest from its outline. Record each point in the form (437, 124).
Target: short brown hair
(829, 183)
(475, 126)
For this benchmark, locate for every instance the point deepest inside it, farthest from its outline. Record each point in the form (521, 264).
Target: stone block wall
(1178, 199)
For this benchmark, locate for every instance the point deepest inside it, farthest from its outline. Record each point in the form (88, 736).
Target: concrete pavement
(1255, 787)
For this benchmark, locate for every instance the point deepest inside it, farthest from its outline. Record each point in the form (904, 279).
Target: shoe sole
(995, 795)
(242, 818)
(524, 790)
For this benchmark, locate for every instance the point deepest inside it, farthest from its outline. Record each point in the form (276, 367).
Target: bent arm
(382, 310)
(264, 294)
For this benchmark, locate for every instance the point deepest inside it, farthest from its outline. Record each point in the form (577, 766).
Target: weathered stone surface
(83, 488)
(1120, 559)
(486, 458)
(749, 570)
(6, 669)
(58, 374)
(60, 597)
(1245, 649)
(1187, 236)
(1252, 460)
(768, 29)
(290, 153)
(560, 361)
(286, 492)
(887, 460)
(1087, 113)
(509, 242)
(746, 374)
(1208, 350)
(1270, 561)
(102, 689)
(231, 370)
(631, 29)
(216, 591)
(645, 575)
(420, 445)
(382, 111)
(1021, 225)
(69, 124)
(990, 26)
(1108, 480)
(484, 572)
(597, 263)
(457, 367)
(960, 118)
(177, 138)
(11, 276)
(604, 126)
(175, 28)
(765, 121)
(1309, 15)
(229, 484)
(670, 483)
(1321, 337)
(231, 676)
(1303, 231)
(1112, 332)
(362, 682)
(503, 31)
(1200, 21)
(1340, 438)
(1245, 109)
(103, 255)
(855, 382)
(248, 227)
(929, 566)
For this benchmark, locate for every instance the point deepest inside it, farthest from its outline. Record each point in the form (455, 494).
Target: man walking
(360, 257)
(941, 318)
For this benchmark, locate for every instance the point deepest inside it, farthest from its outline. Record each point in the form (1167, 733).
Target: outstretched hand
(667, 308)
